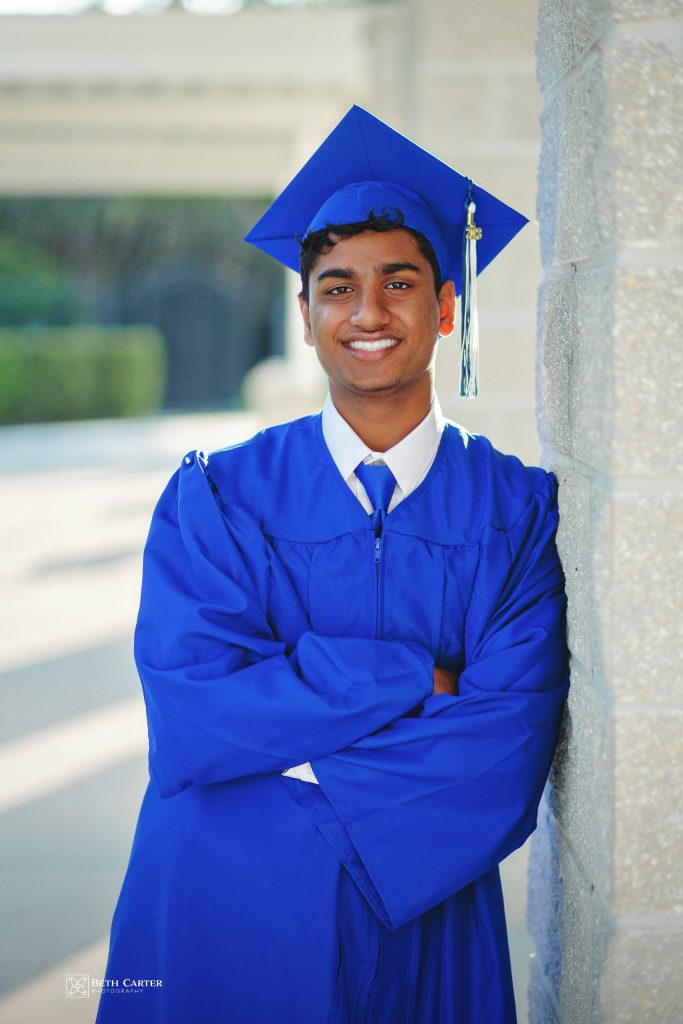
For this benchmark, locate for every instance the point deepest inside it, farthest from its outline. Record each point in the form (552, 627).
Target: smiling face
(373, 315)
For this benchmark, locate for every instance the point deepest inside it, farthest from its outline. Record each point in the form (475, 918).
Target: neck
(382, 420)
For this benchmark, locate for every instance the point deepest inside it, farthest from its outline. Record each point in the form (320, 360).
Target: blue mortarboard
(365, 165)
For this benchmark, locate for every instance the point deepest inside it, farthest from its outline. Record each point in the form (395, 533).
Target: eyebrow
(347, 273)
(396, 268)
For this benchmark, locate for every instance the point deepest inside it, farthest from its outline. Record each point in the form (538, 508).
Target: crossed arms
(464, 770)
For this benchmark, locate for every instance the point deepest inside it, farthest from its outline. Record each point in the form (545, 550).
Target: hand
(445, 682)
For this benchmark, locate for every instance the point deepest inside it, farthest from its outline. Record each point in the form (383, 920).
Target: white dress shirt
(409, 460)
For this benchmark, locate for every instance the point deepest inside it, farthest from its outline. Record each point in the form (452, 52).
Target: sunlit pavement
(75, 504)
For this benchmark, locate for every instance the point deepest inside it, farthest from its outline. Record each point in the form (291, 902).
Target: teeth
(374, 346)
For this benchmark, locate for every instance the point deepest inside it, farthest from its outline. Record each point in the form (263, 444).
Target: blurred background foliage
(176, 265)
(68, 373)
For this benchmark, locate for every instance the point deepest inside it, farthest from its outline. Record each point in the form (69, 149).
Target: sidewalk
(146, 443)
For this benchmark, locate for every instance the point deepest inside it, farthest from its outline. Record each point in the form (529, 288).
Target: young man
(351, 646)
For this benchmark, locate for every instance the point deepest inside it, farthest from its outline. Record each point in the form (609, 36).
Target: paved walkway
(75, 504)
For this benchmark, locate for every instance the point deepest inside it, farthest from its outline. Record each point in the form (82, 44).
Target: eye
(339, 289)
(398, 286)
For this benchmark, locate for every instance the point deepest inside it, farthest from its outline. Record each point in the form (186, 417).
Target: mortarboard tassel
(469, 326)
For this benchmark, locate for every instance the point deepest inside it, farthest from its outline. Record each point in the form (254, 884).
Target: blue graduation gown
(271, 632)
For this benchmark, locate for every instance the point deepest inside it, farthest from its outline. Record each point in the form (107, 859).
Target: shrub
(80, 372)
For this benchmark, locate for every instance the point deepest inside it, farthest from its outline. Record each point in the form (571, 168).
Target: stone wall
(606, 887)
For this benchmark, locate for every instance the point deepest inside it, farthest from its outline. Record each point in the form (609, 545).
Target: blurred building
(207, 106)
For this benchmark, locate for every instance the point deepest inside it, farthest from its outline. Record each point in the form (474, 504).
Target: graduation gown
(272, 631)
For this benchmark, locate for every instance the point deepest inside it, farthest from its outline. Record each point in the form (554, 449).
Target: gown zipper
(378, 555)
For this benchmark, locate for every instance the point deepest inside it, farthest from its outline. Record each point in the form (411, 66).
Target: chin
(369, 387)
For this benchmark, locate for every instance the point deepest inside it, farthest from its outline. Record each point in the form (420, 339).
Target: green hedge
(80, 372)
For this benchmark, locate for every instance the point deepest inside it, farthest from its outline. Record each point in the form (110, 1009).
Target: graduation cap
(364, 165)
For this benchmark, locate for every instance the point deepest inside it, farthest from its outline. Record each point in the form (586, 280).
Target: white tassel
(469, 329)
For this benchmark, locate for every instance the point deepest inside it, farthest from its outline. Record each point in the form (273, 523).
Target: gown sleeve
(433, 800)
(223, 697)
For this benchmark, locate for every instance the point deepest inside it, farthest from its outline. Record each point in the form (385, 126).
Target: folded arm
(223, 697)
(428, 803)
(444, 682)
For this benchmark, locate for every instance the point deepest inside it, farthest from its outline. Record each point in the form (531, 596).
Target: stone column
(606, 887)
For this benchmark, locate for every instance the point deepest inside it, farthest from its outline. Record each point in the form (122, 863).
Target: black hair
(319, 242)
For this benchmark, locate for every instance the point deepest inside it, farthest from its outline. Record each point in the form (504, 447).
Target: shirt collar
(408, 460)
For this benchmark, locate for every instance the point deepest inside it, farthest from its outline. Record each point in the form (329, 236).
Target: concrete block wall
(606, 886)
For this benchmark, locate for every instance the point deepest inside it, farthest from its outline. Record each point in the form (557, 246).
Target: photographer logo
(77, 986)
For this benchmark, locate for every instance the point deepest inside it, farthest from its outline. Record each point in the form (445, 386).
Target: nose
(370, 312)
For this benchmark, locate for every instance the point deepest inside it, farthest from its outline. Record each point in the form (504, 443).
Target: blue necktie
(379, 483)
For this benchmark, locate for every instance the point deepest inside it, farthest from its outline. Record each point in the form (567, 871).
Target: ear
(446, 308)
(306, 316)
